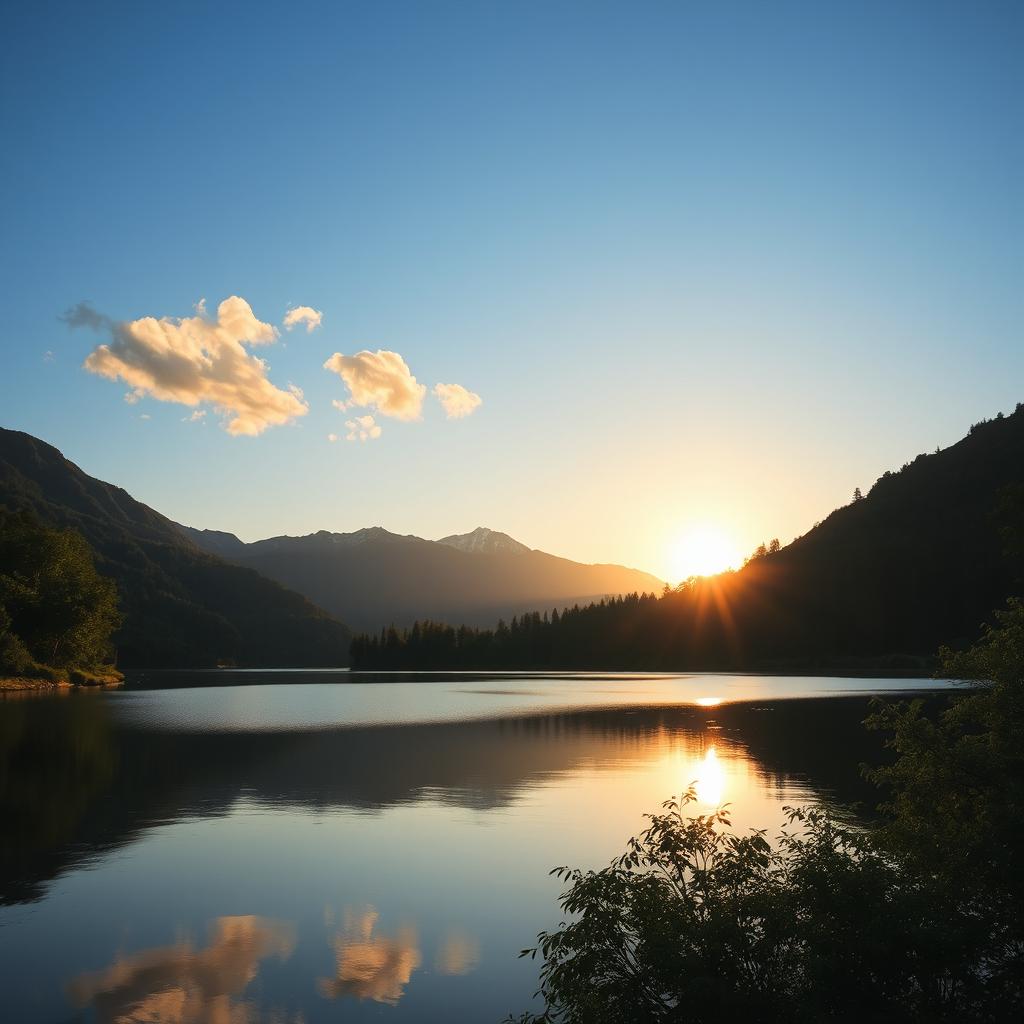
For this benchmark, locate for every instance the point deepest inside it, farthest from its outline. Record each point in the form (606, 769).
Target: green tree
(956, 805)
(55, 608)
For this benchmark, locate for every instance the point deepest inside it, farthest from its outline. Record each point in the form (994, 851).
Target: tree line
(534, 639)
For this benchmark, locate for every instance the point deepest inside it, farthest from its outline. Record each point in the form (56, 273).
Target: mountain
(182, 606)
(373, 578)
(484, 541)
(922, 560)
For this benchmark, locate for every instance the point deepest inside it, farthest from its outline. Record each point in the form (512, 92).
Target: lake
(237, 847)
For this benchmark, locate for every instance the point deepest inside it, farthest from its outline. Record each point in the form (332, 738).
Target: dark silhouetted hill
(182, 606)
(373, 578)
(922, 560)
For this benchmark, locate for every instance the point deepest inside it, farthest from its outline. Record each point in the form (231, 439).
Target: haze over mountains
(372, 578)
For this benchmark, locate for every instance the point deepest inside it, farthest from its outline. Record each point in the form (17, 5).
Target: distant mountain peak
(484, 541)
(323, 538)
(367, 533)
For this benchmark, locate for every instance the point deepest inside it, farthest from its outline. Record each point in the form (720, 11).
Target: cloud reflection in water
(369, 966)
(459, 955)
(181, 985)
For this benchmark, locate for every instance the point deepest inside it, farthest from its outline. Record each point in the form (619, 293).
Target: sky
(675, 266)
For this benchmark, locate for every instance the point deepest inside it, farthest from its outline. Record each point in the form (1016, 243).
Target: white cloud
(457, 401)
(195, 417)
(307, 315)
(49, 357)
(145, 416)
(333, 437)
(196, 360)
(362, 428)
(381, 380)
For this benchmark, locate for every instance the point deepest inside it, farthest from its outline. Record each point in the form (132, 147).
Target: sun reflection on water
(710, 781)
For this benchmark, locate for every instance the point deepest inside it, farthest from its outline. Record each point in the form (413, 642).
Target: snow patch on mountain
(484, 541)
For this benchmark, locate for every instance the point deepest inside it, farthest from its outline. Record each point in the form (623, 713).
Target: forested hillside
(180, 605)
(922, 559)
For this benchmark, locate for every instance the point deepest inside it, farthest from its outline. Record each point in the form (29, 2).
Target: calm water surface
(311, 847)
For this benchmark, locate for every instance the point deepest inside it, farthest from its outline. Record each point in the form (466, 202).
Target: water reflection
(117, 829)
(709, 780)
(76, 782)
(459, 955)
(370, 966)
(56, 756)
(181, 985)
(708, 702)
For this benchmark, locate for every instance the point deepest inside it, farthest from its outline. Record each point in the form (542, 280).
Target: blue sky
(703, 263)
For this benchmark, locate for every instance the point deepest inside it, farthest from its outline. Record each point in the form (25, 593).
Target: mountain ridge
(183, 606)
(371, 578)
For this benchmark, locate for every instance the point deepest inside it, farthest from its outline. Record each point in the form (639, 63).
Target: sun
(702, 551)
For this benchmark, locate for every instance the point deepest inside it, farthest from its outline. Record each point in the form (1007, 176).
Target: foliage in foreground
(57, 613)
(919, 919)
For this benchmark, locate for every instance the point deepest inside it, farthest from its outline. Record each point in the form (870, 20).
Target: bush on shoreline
(921, 918)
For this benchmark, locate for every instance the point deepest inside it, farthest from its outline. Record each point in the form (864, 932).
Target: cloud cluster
(203, 360)
(362, 428)
(456, 400)
(380, 380)
(195, 360)
(307, 315)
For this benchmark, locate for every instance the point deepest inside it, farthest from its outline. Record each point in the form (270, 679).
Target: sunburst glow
(703, 551)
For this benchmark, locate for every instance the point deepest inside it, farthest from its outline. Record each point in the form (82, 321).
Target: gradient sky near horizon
(703, 263)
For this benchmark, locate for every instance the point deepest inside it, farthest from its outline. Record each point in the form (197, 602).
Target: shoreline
(28, 684)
